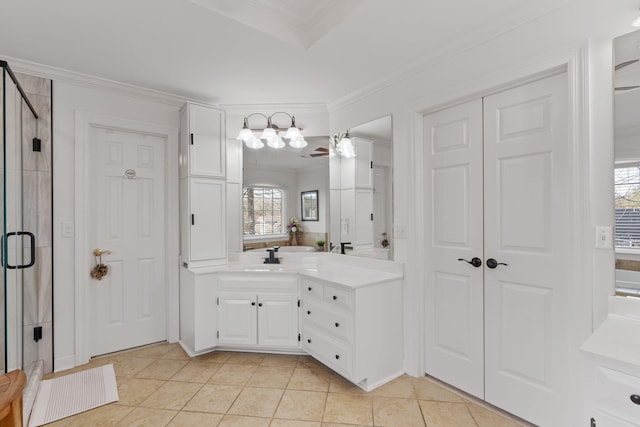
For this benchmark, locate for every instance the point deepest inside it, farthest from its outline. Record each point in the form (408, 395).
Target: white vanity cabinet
(202, 186)
(260, 314)
(356, 331)
(198, 321)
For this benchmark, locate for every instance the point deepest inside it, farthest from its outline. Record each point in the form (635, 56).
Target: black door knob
(337, 324)
(308, 311)
(476, 262)
(309, 288)
(337, 356)
(335, 297)
(309, 341)
(492, 263)
(260, 305)
(635, 399)
(253, 303)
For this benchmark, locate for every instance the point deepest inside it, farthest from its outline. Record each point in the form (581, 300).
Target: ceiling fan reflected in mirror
(318, 152)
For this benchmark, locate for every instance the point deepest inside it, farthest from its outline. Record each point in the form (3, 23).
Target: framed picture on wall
(309, 207)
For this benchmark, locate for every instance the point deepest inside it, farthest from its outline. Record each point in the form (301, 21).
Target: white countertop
(347, 271)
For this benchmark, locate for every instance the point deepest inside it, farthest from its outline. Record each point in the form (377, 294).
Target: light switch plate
(67, 229)
(400, 231)
(604, 237)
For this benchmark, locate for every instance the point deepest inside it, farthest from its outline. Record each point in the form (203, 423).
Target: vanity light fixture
(270, 134)
(344, 146)
(636, 22)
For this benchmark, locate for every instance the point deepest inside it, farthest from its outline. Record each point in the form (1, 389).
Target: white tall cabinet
(202, 186)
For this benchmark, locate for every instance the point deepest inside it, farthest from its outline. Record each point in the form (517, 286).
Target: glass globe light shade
(298, 142)
(245, 134)
(276, 142)
(254, 143)
(268, 133)
(293, 133)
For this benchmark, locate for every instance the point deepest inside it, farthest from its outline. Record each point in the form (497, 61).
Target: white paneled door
(127, 218)
(455, 293)
(499, 191)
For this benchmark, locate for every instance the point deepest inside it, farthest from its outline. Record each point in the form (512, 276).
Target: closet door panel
(526, 227)
(453, 209)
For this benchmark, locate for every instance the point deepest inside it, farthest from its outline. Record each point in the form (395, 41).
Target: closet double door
(497, 184)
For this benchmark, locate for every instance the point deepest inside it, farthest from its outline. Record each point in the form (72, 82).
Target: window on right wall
(627, 203)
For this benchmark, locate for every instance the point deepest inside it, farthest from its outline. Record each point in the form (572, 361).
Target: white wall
(583, 28)
(67, 99)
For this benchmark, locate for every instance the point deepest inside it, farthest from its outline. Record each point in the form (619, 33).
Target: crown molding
(298, 108)
(85, 80)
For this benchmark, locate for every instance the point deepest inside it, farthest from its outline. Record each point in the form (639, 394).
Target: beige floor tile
(129, 367)
(271, 377)
(134, 391)
(294, 423)
(195, 419)
(214, 356)
(258, 402)
(397, 412)
(213, 398)
(242, 421)
(400, 387)
(487, 418)
(427, 389)
(161, 369)
(147, 417)
(310, 363)
(349, 409)
(446, 414)
(302, 405)
(197, 371)
(340, 385)
(340, 425)
(107, 415)
(231, 374)
(153, 350)
(289, 361)
(172, 395)
(239, 358)
(176, 353)
(310, 380)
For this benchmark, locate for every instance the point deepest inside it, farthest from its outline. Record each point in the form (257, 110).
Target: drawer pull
(335, 297)
(635, 399)
(337, 356)
(309, 288)
(309, 312)
(309, 341)
(337, 324)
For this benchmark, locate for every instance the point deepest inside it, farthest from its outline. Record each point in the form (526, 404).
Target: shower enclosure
(25, 224)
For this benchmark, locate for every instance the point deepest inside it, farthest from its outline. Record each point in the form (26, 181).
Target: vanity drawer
(311, 289)
(338, 297)
(614, 394)
(337, 323)
(335, 355)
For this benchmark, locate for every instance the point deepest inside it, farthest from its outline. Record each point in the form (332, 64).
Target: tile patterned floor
(159, 385)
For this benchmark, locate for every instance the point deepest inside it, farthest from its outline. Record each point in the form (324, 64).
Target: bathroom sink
(264, 267)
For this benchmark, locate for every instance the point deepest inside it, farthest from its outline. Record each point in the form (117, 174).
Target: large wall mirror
(627, 163)
(361, 189)
(274, 183)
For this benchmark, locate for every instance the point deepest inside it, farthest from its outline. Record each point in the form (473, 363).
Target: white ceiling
(199, 49)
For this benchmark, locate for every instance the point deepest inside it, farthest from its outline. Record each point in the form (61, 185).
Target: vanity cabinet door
(364, 163)
(206, 141)
(237, 318)
(278, 320)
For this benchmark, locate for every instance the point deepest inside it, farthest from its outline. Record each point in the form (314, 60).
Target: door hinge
(298, 337)
(217, 334)
(191, 137)
(193, 219)
(298, 303)
(37, 144)
(371, 164)
(37, 333)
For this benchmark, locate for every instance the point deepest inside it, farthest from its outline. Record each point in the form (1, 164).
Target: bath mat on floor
(74, 393)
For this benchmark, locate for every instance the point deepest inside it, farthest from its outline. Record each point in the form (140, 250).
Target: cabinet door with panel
(278, 320)
(206, 140)
(237, 318)
(207, 219)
